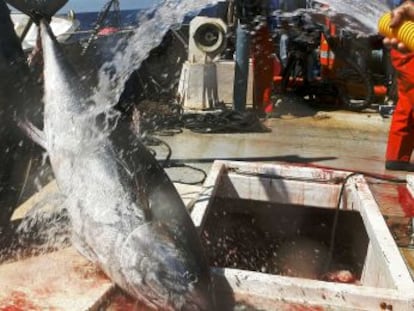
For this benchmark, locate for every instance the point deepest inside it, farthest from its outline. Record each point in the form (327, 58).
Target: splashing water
(113, 76)
(44, 228)
(148, 35)
(366, 13)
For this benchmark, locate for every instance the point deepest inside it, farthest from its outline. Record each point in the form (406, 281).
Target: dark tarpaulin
(18, 96)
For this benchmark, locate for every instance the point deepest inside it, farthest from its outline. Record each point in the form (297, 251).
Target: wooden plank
(390, 263)
(326, 296)
(56, 281)
(285, 170)
(400, 228)
(374, 274)
(188, 193)
(281, 191)
(386, 282)
(49, 190)
(208, 191)
(408, 254)
(387, 198)
(410, 184)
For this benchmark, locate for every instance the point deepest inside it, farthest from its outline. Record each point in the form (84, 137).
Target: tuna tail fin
(37, 9)
(33, 132)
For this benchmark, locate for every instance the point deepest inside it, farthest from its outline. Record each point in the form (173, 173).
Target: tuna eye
(192, 278)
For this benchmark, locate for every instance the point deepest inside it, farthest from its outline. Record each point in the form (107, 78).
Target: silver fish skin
(126, 215)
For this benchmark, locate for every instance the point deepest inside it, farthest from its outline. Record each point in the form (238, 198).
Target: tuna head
(162, 272)
(38, 9)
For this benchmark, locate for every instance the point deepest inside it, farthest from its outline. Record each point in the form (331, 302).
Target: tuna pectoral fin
(33, 132)
(84, 249)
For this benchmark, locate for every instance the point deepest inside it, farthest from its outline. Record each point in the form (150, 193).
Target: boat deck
(334, 139)
(341, 140)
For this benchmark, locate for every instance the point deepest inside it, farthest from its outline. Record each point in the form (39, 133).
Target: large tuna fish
(127, 217)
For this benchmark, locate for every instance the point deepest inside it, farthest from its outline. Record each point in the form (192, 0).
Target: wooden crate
(385, 282)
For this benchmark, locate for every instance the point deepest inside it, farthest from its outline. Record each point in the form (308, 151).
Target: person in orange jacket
(401, 136)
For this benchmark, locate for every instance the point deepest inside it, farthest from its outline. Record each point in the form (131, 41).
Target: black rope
(151, 141)
(103, 14)
(335, 222)
(191, 167)
(338, 205)
(224, 121)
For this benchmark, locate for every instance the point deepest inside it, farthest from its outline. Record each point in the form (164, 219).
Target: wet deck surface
(339, 140)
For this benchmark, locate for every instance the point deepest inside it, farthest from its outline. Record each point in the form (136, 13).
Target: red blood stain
(389, 198)
(43, 292)
(126, 303)
(406, 201)
(329, 169)
(91, 273)
(303, 308)
(122, 303)
(18, 301)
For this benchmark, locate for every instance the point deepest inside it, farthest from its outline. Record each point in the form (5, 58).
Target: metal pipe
(241, 74)
(26, 30)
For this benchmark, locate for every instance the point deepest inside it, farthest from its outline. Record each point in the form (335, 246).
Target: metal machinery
(246, 78)
(36, 11)
(103, 15)
(198, 82)
(329, 64)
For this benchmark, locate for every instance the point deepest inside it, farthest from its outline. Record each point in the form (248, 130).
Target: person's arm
(403, 12)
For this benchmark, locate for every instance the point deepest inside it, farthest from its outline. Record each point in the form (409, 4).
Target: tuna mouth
(38, 9)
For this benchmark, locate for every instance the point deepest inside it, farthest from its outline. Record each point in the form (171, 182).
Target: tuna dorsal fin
(33, 132)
